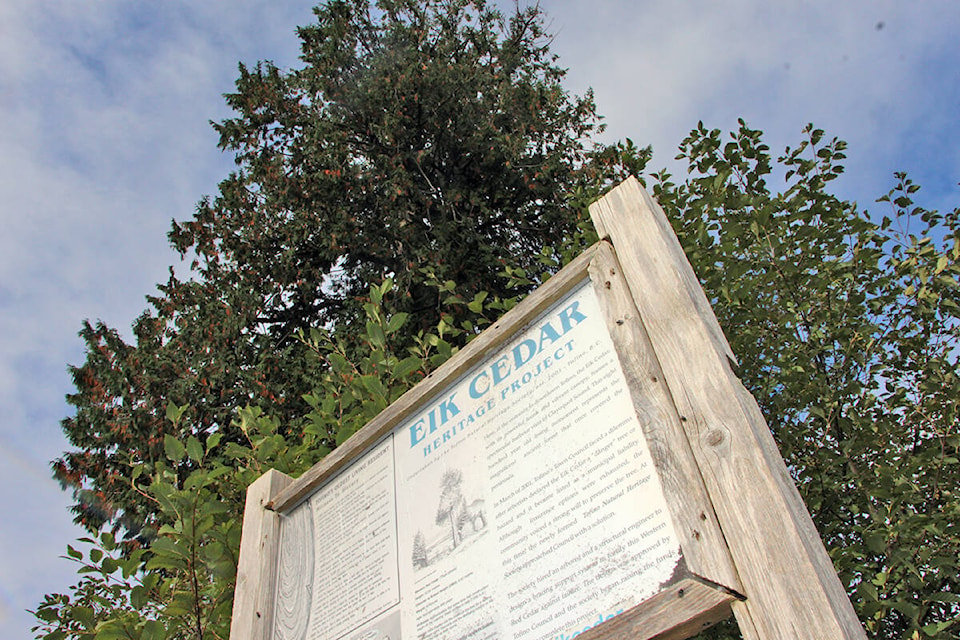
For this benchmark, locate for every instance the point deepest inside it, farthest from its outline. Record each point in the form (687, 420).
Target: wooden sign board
(540, 484)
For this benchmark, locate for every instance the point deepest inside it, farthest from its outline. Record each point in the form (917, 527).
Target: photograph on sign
(520, 501)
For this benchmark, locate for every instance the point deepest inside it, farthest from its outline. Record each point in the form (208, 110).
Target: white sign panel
(521, 503)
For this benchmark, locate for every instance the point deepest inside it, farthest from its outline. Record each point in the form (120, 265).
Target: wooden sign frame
(746, 542)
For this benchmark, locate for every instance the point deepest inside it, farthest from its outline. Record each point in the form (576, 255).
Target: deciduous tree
(846, 325)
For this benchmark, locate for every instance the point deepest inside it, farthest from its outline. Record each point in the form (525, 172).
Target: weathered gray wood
(253, 599)
(701, 541)
(791, 587)
(670, 254)
(469, 356)
(680, 611)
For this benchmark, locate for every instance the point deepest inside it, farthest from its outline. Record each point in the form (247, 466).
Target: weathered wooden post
(791, 588)
(253, 599)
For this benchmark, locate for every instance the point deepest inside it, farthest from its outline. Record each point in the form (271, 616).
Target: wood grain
(681, 610)
(295, 574)
(791, 587)
(701, 541)
(253, 600)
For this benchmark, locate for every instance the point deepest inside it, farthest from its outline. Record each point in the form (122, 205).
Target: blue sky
(104, 138)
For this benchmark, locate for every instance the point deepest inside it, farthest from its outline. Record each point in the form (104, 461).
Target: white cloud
(857, 69)
(104, 138)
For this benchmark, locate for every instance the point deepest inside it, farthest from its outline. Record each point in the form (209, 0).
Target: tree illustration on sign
(420, 559)
(451, 496)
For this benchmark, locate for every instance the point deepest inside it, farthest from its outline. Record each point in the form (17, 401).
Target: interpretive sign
(559, 477)
(526, 504)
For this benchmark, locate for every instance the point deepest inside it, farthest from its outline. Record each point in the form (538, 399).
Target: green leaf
(174, 413)
(476, 305)
(934, 629)
(129, 567)
(139, 596)
(108, 541)
(945, 597)
(876, 542)
(405, 367)
(344, 433)
(112, 630)
(386, 286)
(173, 448)
(194, 449)
(373, 385)
(396, 321)
(942, 263)
(376, 335)
(46, 614)
(236, 451)
(83, 615)
(153, 630)
(339, 363)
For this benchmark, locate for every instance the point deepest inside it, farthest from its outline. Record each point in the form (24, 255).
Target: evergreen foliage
(420, 141)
